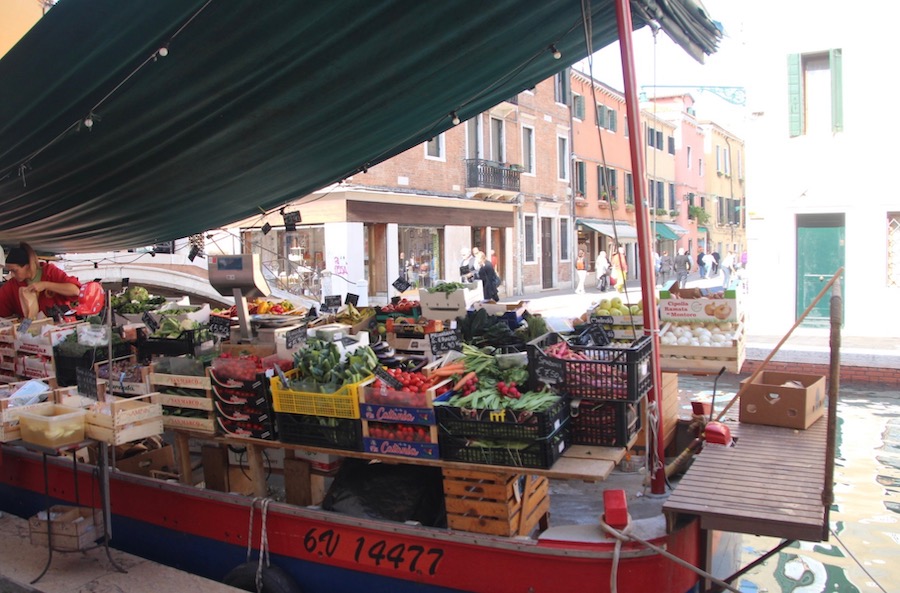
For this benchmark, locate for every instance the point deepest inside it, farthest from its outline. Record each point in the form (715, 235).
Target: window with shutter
(815, 93)
(601, 116)
(578, 107)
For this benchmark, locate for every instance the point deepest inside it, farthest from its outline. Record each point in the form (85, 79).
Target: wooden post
(257, 470)
(215, 467)
(183, 452)
(297, 482)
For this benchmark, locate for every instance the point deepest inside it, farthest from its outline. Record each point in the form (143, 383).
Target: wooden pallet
(495, 504)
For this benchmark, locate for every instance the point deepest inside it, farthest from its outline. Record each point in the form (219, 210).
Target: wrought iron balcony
(490, 180)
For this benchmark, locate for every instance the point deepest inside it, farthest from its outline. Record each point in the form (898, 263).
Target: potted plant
(629, 208)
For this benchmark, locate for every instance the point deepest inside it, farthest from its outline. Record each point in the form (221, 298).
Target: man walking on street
(682, 267)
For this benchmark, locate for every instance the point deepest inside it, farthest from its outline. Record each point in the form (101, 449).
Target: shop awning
(676, 228)
(125, 124)
(622, 229)
(702, 230)
(664, 232)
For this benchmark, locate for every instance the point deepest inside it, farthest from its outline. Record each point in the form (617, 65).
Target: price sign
(312, 313)
(445, 340)
(295, 336)
(149, 322)
(351, 299)
(125, 282)
(401, 284)
(549, 370)
(219, 325)
(332, 303)
(86, 379)
(387, 378)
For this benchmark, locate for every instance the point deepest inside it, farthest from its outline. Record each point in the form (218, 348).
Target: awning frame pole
(645, 244)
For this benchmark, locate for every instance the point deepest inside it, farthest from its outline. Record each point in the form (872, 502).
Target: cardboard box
(71, 528)
(772, 400)
(162, 459)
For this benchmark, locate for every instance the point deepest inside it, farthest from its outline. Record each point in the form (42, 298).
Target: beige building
(725, 191)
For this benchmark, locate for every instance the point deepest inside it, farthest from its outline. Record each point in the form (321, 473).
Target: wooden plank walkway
(770, 483)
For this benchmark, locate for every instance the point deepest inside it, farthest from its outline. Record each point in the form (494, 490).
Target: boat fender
(274, 579)
(615, 509)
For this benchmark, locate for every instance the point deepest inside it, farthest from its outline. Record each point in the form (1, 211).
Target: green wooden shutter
(795, 94)
(837, 96)
(601, 116)
(579, 177)
(613, 120)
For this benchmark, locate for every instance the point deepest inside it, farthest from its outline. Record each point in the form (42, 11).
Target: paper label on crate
(374, 412)
(24, 325)
(714, 310)
(400, 448)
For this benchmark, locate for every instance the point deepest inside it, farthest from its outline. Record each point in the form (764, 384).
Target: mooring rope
(622, 536)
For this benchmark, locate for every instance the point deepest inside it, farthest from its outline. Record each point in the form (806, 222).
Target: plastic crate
(605, 423)
(614, 372)
(343, 403)
(502, 424)
(189, 341)
(319, 431)
(70, 357)
(539, 453)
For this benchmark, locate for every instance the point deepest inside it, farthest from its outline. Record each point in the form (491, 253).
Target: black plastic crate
(189, 341)
(538, 453)
(502, 424)
(605, 423)
(320, 431)
(614, 372)
(73, 356)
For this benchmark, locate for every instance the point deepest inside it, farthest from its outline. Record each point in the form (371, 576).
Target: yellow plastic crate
(343, 403)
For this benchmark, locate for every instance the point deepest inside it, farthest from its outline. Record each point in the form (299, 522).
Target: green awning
(702, 230)
(664, 232)
(126, 123)
(622, 230)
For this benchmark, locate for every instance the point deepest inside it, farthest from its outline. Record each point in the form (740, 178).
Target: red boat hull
(206, 533)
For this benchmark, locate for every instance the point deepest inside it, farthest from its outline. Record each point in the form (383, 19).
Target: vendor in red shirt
(34, 286)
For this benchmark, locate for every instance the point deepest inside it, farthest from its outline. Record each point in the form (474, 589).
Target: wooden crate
(700, 359)
(669, 411)
(201, 399)
(123, 420)
(495, 504)
(71, 528)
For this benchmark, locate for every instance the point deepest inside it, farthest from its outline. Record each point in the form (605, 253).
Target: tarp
(106, 143)
(621, 230)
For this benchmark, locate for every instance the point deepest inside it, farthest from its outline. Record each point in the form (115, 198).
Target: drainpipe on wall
(573, 232)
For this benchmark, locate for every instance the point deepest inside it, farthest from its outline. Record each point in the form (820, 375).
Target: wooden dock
(770, 483)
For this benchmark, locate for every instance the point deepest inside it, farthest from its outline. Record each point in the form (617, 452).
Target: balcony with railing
(491, 180)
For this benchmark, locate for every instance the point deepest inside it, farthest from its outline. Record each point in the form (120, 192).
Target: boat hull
(206, 533)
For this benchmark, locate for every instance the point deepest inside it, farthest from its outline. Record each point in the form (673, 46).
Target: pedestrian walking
(603, 268)
(701, 267)
(666, 267)
(727, 265)
(619, 268)
(682, 267)
(580, 271)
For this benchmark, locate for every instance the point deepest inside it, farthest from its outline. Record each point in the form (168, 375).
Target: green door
(820, 253)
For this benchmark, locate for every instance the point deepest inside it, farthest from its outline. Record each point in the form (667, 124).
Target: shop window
(421, 248)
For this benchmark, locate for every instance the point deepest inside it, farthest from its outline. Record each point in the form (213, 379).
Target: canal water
(863, 551)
